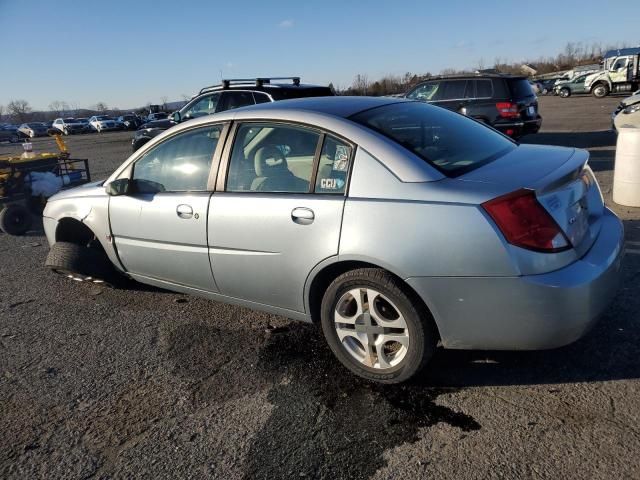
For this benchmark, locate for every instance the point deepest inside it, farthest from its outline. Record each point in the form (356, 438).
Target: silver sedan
(395, 225)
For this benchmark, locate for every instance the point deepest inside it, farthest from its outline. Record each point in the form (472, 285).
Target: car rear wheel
(565, 92)
(15, 220)
(601, 90)
(80, 263)
(375, 328)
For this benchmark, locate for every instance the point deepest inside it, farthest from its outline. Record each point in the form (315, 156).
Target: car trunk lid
(563, 183)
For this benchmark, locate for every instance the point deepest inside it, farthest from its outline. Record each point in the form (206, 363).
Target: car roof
(330, 114)
(336, 106)
(465, 76)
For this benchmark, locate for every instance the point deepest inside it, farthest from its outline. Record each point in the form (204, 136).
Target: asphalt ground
(137, 382)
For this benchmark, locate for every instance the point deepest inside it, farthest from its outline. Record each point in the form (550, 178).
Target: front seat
(273, 174)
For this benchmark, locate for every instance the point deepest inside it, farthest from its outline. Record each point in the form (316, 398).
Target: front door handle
(184, 211)
(303, 216)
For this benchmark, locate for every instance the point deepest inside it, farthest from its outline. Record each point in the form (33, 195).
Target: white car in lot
(627, 114)
(103, 123)
(68, 125)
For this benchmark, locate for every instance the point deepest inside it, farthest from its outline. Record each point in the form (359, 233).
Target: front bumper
(528, 312)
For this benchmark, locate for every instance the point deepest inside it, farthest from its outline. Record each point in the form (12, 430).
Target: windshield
(36, 125)
(69, 120)
(103, 117)
(82, 120)
(449, 141)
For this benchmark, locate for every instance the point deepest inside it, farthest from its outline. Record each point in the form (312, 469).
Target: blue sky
(129, 53)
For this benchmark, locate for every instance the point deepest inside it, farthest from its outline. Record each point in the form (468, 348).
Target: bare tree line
(574, 54)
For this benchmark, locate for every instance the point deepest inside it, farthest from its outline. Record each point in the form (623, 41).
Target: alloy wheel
(371, 328)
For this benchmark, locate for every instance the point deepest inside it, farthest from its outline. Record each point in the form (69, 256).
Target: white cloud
(288, 23)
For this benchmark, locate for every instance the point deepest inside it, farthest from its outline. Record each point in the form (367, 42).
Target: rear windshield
(521, 88)
(449, 141)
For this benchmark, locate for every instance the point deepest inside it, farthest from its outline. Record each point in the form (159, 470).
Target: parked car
(157, 116)
(232, 93)
(547, 85)
(505, 102)
(85, 123)
(571, 87)
(130, 122)
(103, 123)
(10, 133)
(69, 125)
(395, 224)
(33, 129)
(627, 114)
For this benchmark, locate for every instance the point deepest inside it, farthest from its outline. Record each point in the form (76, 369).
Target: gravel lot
(139, 382)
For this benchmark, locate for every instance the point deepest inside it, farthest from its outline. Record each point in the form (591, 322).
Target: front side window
(425, 92)
(179, 164)
(272, 158)
(205, 106)
(333, 166)
(450, 142)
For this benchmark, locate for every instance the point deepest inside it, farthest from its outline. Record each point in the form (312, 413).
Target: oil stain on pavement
(325, 422)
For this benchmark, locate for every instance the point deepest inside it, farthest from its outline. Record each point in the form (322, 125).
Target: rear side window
(455, 89)
(521, 88)
(446, 140)
(261, 97)
(302, 92)
(484, 88)
(333, 166)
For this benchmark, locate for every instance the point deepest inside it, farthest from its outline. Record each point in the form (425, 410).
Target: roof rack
(258, 82)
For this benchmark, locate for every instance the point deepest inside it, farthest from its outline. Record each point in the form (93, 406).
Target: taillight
(508, 109)
(525, 223)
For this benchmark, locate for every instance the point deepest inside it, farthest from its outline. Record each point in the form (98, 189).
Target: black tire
(14, 138)
(15, 220)
(565, 92)
(600, 90)
(80, 263)
(422, 332)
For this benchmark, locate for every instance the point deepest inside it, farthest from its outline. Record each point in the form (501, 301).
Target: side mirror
(177, 117)
(118, 187)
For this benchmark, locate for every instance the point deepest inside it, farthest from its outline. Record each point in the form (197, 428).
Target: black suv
(232, 93)
(505, 102)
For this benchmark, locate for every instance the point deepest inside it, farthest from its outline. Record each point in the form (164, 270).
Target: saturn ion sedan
(396, 225)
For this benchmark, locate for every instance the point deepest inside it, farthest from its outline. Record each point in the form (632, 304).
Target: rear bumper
(520, 128)
(528, 312)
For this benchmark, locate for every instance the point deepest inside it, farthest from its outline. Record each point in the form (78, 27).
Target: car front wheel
(80, 263)
(601, 90)
(375, 327)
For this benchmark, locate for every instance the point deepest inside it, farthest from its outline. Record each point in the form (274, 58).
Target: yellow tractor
(27, 180)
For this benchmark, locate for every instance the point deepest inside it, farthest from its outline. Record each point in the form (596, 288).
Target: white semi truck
(620, 73)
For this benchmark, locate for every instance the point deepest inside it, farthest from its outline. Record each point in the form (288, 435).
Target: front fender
(90, 210)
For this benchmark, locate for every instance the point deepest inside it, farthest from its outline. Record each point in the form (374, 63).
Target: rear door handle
(302, 215)
(184, 211)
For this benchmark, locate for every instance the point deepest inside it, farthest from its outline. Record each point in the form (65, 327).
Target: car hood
(632, 100)
(92, 189)
(159, 124)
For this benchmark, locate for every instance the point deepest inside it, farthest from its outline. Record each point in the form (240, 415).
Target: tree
(361, 84)
(164, 100)
(58, 108)
(19, 110)
(101, 107)
(1, 111)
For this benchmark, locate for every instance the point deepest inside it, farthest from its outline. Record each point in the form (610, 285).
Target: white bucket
(626, 173)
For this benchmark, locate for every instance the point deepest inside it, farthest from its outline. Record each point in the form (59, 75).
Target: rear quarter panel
(414, 229)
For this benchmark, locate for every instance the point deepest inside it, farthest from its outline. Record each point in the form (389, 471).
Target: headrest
(269, 160)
